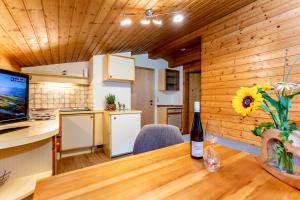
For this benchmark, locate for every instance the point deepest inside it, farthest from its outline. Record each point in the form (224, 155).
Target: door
(77, 131)
(124, 133)
(142, 94)
(194, 94)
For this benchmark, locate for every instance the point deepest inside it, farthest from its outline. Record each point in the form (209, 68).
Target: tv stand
(7, 129)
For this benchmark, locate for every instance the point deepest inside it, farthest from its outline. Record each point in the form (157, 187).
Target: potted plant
(110, 100)
(280, 137)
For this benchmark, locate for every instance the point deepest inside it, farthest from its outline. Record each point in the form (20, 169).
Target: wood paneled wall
(8, 64)
(240, 49)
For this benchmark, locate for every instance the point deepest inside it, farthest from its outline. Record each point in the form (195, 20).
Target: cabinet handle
(92, 117)
(115, 118)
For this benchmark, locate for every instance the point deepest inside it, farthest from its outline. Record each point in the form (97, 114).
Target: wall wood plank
(240, 49)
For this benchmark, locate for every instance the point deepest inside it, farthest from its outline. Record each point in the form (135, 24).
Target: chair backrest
(156, 136)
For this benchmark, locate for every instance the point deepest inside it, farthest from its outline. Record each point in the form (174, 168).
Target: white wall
(103, 88)
(72, 68)
(121, 90)
(162, 97)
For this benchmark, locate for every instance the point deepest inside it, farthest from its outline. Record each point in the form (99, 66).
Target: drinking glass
(211, 157)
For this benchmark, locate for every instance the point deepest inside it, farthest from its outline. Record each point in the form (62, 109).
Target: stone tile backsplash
(55, 96)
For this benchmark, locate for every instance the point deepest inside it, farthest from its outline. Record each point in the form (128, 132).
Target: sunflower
(265, 87)
(247, 100)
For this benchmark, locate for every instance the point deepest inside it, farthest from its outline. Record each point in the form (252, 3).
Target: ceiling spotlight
(145, 21)
(178, 18)
(126, 22)
(157, 21)
(149, 12)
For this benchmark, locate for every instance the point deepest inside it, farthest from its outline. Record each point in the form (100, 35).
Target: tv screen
(13, 96)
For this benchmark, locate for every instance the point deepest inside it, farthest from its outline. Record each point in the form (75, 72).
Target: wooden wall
(240, 49)
(8, 64)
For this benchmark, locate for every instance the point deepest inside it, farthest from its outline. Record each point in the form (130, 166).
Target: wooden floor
(80, 161)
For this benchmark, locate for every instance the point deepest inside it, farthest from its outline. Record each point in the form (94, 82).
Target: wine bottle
(197, 134)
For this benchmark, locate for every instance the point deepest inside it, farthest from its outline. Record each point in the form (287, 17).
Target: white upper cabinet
(119, 68)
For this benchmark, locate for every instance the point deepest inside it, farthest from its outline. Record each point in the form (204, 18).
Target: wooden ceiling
(39, 32)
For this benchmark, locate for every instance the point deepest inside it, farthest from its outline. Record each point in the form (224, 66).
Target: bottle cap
(196, 106)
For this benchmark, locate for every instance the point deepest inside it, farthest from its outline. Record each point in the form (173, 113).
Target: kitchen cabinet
(52, 78)
(77, 131)
(119, 68)
(168, 80)
(120, 132)
(170, 114)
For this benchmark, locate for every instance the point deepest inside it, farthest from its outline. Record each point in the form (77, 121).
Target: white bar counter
(37, 131)
(28, 154)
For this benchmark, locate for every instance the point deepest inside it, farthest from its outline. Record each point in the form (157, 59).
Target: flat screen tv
(14, 89)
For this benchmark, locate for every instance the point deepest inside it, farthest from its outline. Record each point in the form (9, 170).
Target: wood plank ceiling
(40, 32)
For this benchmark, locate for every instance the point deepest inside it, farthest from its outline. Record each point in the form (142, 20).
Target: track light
(149, 16)
(126, 22)
(145, 21)
(178, 18)
(157, 21)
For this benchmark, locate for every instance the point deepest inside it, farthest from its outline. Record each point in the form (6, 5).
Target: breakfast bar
(27, 155)
(168, 173)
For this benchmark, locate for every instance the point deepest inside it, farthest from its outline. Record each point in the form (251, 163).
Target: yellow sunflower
(265, 87)
(246, 100)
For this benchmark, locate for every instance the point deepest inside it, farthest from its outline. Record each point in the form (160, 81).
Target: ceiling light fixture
(149, 15)
(157, 21)
(126, 22)
(178, 18)
(145, 21)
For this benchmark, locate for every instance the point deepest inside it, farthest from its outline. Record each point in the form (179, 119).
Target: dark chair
(156, 136)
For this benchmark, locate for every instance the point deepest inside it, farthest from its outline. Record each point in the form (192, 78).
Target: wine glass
(211, 157)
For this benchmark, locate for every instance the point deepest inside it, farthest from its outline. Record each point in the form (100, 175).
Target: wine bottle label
(197, 149)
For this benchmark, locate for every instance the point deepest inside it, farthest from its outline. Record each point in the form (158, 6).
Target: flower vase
(277, 159)
(110, 107)
(285, 162)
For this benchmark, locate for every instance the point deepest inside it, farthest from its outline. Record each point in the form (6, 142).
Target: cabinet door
(124, 130)
(77, 131)
(121, 68)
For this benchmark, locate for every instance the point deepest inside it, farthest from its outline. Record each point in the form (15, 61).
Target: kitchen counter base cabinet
(171, 115)
(120, 132)
(77, 131)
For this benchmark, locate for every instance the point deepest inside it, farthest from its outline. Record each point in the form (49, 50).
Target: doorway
(142, 94)
(191, 93)
(194, 94)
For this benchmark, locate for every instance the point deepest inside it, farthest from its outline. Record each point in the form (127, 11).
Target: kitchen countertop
(121, 112)
(80, 112)
(176, 106)
(117, 112)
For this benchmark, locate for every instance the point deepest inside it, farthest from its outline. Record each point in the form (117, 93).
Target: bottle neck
(197, 114)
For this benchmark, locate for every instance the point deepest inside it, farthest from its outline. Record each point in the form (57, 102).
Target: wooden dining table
(168, 173)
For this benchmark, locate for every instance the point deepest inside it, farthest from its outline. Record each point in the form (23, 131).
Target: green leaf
(293, 126)
(293, 95)
(282, 102)
(284, 136)
(258, 130)
(267, 125)
(272, 101)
